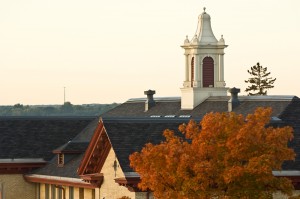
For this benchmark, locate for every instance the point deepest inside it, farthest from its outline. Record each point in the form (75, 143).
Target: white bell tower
(204, 65)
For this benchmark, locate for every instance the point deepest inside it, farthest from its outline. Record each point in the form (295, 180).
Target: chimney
(234, 100)
(150, 101)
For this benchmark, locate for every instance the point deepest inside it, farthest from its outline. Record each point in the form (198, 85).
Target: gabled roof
(96, 152)
(172, 106)
(291, 116)
(130, 135)
(129, 127)
(36, 137)
(68, 175)
(72, 147)
(80, 142)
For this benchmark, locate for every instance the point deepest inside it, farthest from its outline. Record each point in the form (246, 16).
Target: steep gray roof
(36, 137)
(131, 135)
(129, 127)
(291, 116)
(72, 161)
(135, 108)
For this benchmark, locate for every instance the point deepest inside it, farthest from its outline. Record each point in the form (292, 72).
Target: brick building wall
(45, 190)
(109, 188)
(14, 186)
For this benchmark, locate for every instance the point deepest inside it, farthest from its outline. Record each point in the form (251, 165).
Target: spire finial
(204, 9)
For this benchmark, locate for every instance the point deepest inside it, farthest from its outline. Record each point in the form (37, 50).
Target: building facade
(87, 158)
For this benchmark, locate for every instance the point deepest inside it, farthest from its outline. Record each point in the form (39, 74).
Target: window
(53, 191)
(208, 72)
(60, 193)
(1, 191)
(46, 191)
(93, 194)
(81, 193)
(38, 190)
(71, 192)
(60, 159)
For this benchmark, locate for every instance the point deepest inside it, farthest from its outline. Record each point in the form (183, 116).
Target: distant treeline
(67, 109)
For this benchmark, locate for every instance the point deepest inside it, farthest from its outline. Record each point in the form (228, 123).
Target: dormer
(68, 151)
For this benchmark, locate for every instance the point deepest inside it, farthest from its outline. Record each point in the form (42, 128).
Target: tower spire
(204, 65)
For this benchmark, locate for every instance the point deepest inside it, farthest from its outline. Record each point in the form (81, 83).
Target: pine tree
(260, 82)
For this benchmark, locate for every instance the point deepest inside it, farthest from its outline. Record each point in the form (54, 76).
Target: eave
(95, 156)
(94, 179)
(293, 175)
(20, 166)
(131, 183)
(68, 151)
(63, 181)
(204, 46)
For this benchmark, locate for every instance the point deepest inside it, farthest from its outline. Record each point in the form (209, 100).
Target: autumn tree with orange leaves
(225, 156)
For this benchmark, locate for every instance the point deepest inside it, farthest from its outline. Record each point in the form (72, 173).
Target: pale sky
(110, 51)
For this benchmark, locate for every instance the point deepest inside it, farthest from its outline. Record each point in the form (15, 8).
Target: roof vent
(184, 116)
(275, 119)
(150, 101)
(155, 116)
(276, 122)
(234, 100)
(170, 116)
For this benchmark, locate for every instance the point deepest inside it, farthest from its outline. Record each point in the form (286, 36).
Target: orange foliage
(225, 156)
(124, 197)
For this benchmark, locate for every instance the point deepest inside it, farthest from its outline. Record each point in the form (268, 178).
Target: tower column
(221, 66)
(201, 71)
(196, 67)
(197, 71)
(220, 82)
(216, 70)
(186, 82)
(186, 67)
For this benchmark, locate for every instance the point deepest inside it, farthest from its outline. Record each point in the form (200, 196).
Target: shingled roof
(291, 116)
(130, 135)
(130, 127)
(78, 144)
(37, 137)
(135, 108)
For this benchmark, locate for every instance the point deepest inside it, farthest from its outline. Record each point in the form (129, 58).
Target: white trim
(66, 179)
(23, 160)
(286, 173)
(131, 174)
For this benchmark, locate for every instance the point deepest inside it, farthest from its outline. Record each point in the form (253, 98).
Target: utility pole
(64, 95)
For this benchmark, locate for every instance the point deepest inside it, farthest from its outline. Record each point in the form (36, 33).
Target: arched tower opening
(208, 72)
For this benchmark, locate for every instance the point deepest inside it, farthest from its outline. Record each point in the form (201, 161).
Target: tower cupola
(204, 65)
(204, 31)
